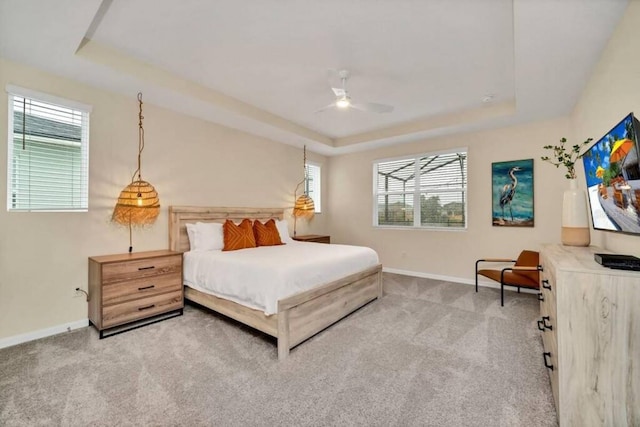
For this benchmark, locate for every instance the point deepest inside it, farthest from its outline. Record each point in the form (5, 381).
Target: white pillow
(283, 229)
(205, 236)
(191, 232)
(209, 236)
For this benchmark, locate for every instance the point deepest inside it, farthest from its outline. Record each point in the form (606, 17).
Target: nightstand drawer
(141, 308)
(116, 293)
(130, 270)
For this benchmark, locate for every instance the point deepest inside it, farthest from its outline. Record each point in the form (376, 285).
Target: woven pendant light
(138, 203)
(304, 206)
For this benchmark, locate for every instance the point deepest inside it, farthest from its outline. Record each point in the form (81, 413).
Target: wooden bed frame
(299, 316)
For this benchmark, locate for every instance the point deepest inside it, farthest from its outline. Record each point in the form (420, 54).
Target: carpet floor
(430, 353)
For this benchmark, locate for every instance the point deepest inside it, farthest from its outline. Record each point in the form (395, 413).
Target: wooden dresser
(590, 323)
(132, 287)
(316, 238)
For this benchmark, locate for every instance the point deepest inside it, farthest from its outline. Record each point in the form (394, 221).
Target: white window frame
(418, 190)
(84, 111)
(314, 189)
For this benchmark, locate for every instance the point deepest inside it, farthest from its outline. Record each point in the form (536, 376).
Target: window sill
(412, 228)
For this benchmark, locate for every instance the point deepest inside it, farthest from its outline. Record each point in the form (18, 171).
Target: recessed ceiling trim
(98, 53)
(485, 112)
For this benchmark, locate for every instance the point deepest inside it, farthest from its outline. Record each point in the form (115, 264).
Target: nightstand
(130, 290)
(316, 238)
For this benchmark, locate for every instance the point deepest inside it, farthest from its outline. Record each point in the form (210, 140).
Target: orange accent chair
(525, 273)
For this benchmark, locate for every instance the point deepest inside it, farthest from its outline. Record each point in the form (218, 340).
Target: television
(612, 172)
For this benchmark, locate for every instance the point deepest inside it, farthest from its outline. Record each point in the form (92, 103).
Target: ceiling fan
(343, 100)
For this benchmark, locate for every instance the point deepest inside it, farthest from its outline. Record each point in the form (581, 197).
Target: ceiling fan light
(343, 102)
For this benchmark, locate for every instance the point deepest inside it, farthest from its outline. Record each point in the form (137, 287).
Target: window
(48, 152)
(313, 185)
(436, 199)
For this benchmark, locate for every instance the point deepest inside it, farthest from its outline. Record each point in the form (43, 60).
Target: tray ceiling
(266, 66)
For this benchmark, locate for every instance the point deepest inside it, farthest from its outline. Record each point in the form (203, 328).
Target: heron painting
(512, 188)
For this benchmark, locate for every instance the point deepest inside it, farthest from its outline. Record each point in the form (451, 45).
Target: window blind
(48, 155)
(427, 190)
(313, 185)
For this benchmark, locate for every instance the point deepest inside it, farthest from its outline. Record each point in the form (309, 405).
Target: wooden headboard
(180, 216)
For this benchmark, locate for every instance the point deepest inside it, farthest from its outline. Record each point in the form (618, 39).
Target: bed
(298, 316)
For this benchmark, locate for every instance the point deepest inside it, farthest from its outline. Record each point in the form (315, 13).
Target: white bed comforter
(259, 277)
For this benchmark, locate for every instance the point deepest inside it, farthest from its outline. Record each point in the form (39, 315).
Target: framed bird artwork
(512, 193)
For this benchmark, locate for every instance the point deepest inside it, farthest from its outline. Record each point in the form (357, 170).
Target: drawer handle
(146, 307)
(540, 296)
(146, 287)
(545, 284)
(146, 268)
(547, 364)
(542, 323)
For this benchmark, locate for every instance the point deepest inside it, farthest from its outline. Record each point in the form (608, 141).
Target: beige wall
(611, 93)
(452, 253)
(43, 256)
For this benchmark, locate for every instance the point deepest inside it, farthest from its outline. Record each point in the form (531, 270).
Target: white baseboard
(481, 282)
(42, 333)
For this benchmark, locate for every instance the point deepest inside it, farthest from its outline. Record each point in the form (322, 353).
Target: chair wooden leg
(477, 274)
(518, 289)
(502, 288)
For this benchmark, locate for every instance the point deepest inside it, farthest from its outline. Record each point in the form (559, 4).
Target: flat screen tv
(613, 178)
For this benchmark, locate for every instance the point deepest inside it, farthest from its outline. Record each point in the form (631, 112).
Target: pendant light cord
(304, 172)
(130, 236)
(140, 141)
(139, 170)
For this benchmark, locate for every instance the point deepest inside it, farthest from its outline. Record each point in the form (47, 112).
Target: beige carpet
(428, 353)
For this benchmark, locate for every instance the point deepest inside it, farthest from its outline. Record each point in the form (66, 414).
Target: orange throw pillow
(266, 234)
(238, 236)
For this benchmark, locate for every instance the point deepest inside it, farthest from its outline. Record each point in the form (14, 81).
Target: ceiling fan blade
(339, 92)
(372, 107)
(328, 107)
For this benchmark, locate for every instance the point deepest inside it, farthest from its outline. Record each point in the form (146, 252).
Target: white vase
(575, 217)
